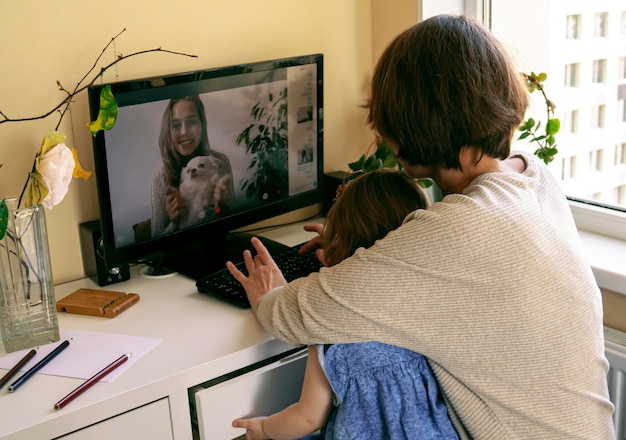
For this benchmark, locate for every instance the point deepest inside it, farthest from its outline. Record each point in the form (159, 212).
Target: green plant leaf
(390, 161)
(355, 175)
(425, 183)
(553, 126)
(527, 125)
(358, 165)
(107, 114)
(4, 218)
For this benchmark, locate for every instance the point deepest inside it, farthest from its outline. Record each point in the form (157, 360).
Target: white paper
(87, 354)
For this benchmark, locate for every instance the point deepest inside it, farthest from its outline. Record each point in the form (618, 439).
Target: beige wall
(45, 41)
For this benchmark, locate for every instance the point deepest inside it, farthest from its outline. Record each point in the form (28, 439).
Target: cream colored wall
(45, 41)
(389, 19)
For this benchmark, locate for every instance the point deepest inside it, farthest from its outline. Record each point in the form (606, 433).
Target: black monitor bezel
(218, 229)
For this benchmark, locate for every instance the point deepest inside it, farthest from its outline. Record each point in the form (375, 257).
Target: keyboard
(223, 285)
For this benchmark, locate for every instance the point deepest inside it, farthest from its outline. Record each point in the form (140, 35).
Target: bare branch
(79, 87)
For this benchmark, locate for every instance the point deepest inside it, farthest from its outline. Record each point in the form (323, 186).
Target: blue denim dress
(382, 392)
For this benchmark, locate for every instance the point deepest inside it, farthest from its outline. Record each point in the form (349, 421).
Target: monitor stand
(202, 258)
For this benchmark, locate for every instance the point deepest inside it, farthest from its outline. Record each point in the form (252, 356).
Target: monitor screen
(195, 155)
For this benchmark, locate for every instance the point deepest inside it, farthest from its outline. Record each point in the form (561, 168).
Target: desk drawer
(149, 421)
(259, 392)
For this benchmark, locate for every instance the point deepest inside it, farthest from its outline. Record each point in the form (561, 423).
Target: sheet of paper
(88, 353)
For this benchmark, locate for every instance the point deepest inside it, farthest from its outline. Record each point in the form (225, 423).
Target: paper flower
(55, 165)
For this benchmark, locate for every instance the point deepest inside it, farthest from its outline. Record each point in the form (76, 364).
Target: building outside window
(601, 24)
(620, 194)
(598, 113)
(581, 45)
(573, 27)
(595, 160)
(568, 168)
(620, 154)
(569, 124)
(622, 67)
(571, 75)
(599, 71)
(621, 107)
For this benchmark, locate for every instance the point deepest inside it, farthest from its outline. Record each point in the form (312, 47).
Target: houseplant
(267, 142)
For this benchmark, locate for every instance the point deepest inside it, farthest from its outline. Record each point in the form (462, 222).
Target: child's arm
(303, 417)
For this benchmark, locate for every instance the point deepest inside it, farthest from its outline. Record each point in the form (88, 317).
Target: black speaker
(93, 256)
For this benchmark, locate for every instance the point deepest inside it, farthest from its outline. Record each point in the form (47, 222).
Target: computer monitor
(264, 131)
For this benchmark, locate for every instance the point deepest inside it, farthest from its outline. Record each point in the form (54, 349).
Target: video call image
(237, 119)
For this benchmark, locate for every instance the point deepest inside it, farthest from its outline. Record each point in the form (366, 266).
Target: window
(569, 124)
(599, 71)
(587, 83)
(572, 27)
(621, 108)
(548, 49)
(620, 154)
(571, 75)
(620, 194)
(597, 116)
(595, 160)
(601, 24)
(568, 168)
(622, 68)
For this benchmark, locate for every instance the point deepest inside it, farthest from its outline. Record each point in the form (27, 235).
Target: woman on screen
(195, 182)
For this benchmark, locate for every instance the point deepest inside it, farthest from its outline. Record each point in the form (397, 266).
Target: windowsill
(607, 257)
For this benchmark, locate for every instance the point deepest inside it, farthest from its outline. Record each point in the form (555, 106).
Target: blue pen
(38, 366)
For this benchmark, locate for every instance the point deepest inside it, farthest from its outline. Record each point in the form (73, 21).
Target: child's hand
(254, 427)
(314, 244)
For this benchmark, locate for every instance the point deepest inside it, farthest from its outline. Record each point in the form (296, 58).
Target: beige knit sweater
(492, 286)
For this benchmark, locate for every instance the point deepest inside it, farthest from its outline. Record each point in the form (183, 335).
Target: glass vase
(28, 316)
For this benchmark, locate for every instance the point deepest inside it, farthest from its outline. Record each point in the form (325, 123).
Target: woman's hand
(315, 243)
(174, 204)
(263, 273)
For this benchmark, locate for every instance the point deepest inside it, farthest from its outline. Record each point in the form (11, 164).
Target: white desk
(202, 339)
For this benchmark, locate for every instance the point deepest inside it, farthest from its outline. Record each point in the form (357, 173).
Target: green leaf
(107, 114)
(355, 175)
(425, 183)
(358, 165)
(390, 161)
(4, 218)
(553, 126)
(527, 125)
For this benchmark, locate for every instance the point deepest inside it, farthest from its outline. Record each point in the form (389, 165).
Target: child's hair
(368, 208)
(443, 84)
(173, 161)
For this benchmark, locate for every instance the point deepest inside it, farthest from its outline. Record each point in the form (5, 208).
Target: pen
(38, 366)
(17, 367)
(92, 380)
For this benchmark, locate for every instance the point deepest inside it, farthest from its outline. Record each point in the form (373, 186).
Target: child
(365, 389)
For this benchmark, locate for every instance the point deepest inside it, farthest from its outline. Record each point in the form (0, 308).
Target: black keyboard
(224, 286)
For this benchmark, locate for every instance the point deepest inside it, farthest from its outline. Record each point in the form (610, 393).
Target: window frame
(602, 227)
